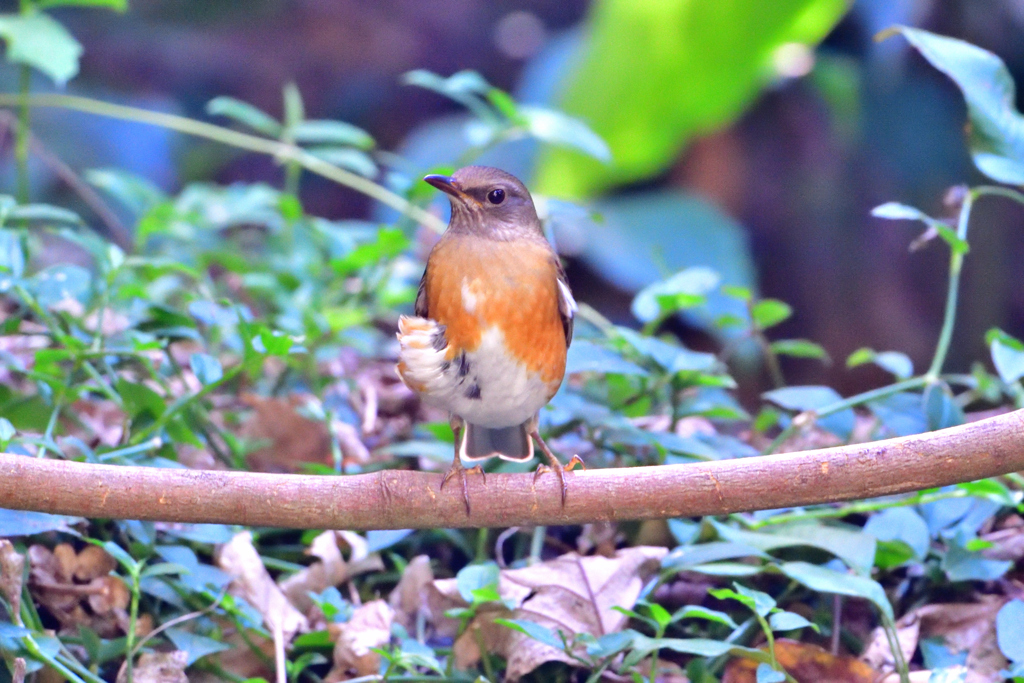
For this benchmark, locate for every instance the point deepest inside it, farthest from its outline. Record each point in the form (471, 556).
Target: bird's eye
(496, 196)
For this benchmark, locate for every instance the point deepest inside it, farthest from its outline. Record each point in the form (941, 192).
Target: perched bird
(493, 322)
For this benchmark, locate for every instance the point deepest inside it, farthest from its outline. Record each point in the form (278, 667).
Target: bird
(493, 323)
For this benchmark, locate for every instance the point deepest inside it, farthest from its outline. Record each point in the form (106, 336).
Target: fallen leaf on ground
(369, 627)
(963, 627)
(332, 569)
(294, 439)
(408, 598)
(806, 663)
(571, 594)
(250, 580)
(157, 667)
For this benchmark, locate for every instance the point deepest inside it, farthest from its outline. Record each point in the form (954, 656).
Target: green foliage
(702, 64)
(239, 291)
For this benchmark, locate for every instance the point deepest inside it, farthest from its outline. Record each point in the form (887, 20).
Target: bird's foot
(556, 466)
(458, 470)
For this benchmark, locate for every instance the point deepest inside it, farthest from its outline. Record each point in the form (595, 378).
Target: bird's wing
(420, 307)
(566, 303)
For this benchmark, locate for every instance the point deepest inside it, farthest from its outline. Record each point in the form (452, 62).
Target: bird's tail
(508, 443)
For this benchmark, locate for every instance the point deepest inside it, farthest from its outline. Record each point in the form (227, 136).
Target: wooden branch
(401, 499)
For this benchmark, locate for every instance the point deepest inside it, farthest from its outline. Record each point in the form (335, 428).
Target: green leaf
(993, 490)
(799, 348)
(853, 547)
(897, 211)
(46, 213)
(654, 74)
(7, 432)
(940, 408)
(698, 612)
(531, 628)
(206, 367)
(323, 132)
(116, 5)
(826, 580)
(195, 645)
(789, 621)
(1010, 630)
(586, 356)
(815, 398)
(756, 601)
(556, 128)
(901, 524)
(41, 42)
(766, 674)
(474, 577)
(685, 289)
(244, 113)
(348, 158)
(996, 131)
(770, 312)
(119, 554)
(1008, 359)
(136, 193)
(15, 523)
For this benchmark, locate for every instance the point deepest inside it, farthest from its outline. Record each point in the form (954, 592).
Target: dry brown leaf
(408, 598)
(369, 627)
(1007, 544)
(12, 567)
(878, 653)
(294, 439)
(967, 626)
(109, 595)
(332, 569)
(251, 581)
(93, 562)
(157, 667)
(572, 594)
(806, 663)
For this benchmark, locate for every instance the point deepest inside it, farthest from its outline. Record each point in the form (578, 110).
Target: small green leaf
(195, 645)
(348, 158)
(244, 113)
(770, 312)
(799, 348)
(531, 628)
(46, 213)
(475, 577)
(557, 128)
(698, 612)
(897, 211)
(1008, 358)
(685, 289)
(38, 40)
(789, 621)
(324, 132)
(116, 5)
(940, 407)
(766, 674)
(119, 554)
(7, 432)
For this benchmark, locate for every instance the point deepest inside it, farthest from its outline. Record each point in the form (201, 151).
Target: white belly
(486, 388)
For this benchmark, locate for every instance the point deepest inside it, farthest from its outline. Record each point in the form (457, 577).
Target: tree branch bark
(400, 499)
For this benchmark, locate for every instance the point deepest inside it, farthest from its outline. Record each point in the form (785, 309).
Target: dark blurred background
(799, 171)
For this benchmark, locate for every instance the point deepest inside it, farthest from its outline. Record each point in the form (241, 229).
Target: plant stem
(853, 509)
(22, 133)
(537, 544)
(956, 261)
(233, 138)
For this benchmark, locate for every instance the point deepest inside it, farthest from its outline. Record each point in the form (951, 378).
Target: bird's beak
(446, 184)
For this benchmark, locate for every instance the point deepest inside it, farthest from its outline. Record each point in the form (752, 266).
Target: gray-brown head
(489, 202)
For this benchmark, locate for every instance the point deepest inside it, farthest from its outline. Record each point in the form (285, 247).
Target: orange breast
(474, 283)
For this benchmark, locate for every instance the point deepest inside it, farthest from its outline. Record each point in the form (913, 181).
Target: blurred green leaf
(655, 74)
(116, 5)
(138, 194)
(244, 113)
(16, 523)
(206, 368)
(799, 348)
(195, 645)
(323, 132)
(38, 40)
(854, 547)
(826, 580)
(1010, 630)
(586, 356)
(556, 128)
(766, 674)
(770, 312)
(940, 407)
(815, 398)
(901, 524)
(1007, 356)
(996, 133)
(685, 289)
(788, 621)
(475, 577)
(347, 158)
